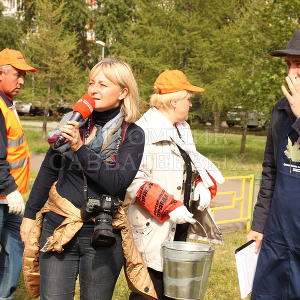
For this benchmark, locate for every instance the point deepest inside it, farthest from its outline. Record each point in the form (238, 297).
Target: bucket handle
(204, 232)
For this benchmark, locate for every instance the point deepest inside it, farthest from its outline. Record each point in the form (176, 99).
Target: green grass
(222, 284)
(36, 142)
(230, 130)
(223, 150)
(223, 281)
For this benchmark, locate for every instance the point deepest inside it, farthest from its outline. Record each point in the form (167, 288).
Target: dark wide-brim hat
(292, 48)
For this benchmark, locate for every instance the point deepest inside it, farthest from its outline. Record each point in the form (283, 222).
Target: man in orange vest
(14, 170)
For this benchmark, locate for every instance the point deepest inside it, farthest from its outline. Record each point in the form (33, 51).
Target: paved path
(233, 188)
(50, 125)
(36, 160)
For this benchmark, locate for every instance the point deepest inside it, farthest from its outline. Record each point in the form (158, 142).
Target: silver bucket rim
(183, 246)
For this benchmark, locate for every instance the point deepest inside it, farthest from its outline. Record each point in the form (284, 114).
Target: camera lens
(103, 235)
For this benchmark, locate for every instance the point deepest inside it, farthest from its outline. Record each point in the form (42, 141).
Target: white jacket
(162, 164)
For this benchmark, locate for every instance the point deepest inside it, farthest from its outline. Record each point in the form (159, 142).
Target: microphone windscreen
(85, 106)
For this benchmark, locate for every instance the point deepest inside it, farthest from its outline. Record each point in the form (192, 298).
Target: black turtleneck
(103, 178)
(102, 117)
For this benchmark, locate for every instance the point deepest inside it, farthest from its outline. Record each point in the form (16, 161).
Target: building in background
(10, 7)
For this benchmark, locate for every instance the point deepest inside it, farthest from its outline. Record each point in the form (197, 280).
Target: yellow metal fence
(241, 200)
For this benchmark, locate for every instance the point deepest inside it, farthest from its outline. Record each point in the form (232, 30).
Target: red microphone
(83, 108)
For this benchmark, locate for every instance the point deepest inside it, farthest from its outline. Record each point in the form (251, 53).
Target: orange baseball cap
(14, 58)
(171, 81)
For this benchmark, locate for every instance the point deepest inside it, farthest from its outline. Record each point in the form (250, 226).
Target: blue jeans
(98, 269)
(11, 251)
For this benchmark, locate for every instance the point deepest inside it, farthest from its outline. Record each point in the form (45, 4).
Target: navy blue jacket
(281, 111)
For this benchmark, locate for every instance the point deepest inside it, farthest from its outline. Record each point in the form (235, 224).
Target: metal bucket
(186, 268)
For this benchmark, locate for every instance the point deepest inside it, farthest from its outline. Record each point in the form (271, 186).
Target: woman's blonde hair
(120, 73)
(163, 101)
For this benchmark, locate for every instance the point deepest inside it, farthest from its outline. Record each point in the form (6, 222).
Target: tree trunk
(46, 110)
(217, 121)
(244, 134)
(46, 113)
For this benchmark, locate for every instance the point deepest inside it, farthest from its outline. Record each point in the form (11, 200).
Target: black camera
(103, 210)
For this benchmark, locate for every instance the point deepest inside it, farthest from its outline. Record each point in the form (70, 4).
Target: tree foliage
(11, 31)
(222, 45)
(52, 50)
(75, 14)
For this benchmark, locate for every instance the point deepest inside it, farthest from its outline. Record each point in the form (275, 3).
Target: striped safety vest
(17, 147)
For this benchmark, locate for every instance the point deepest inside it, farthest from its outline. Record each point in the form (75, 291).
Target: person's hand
(71, 132)
(257, 237)
(15, 203)
(26, 227)
(293, 96)
(181, 215)
(202, 194)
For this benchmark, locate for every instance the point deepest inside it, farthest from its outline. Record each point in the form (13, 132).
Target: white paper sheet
(246, 260)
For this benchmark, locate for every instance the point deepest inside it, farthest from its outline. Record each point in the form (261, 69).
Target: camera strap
(85, 188)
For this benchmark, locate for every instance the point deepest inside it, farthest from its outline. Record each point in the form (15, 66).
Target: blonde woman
(175, 183)
(97, 165)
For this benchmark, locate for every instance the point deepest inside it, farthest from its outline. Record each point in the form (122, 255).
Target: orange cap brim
(189, 88)
(193, 88)
(23, 67)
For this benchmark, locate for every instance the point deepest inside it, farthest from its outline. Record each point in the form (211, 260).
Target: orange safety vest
(18, 155)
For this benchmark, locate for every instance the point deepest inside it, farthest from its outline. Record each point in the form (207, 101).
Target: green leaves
(10, 33)
(52, 50)
(222, 45)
